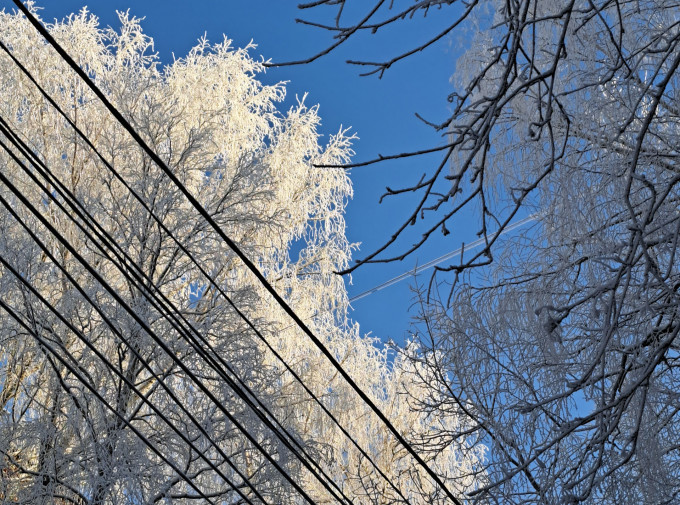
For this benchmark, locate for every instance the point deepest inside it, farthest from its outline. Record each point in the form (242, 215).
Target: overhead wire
(472, 245)
(160, 302)
(144, 399)
(103, 401)
(113, 328)
(123, 304)
(216, 285)
(316, 464)
(234, 247)
(83, 380)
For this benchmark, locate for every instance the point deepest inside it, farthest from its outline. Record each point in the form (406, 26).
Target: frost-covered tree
(563, 345)
(118, 340)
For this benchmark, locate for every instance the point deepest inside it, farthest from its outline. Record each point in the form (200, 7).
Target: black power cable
(110, 324)
(208, 277)
(69, 247)
(83, 380)
(164, 306)
(82, 337)
(234, 247)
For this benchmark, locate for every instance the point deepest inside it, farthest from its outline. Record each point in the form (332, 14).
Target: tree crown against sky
(107, 273)
(562, 345)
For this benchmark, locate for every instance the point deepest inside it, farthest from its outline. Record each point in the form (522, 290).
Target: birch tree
(107, 272)
(560, 340)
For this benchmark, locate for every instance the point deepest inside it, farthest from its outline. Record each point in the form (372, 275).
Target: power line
(233, 246)
(171, 314)
(113, 368)
(165, 307)
(207, 276)
(46, 345)
(113, 328)
(142, 324)
(472, 245)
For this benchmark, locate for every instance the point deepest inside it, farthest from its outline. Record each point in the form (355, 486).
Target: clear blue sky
(381, 112)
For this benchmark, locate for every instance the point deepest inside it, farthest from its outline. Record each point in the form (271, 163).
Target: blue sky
(381, 111)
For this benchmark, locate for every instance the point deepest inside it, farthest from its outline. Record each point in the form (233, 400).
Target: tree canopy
(140, 361)
(560, 339)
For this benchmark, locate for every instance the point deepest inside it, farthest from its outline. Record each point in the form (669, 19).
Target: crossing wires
(233, 246)
(143, 280)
